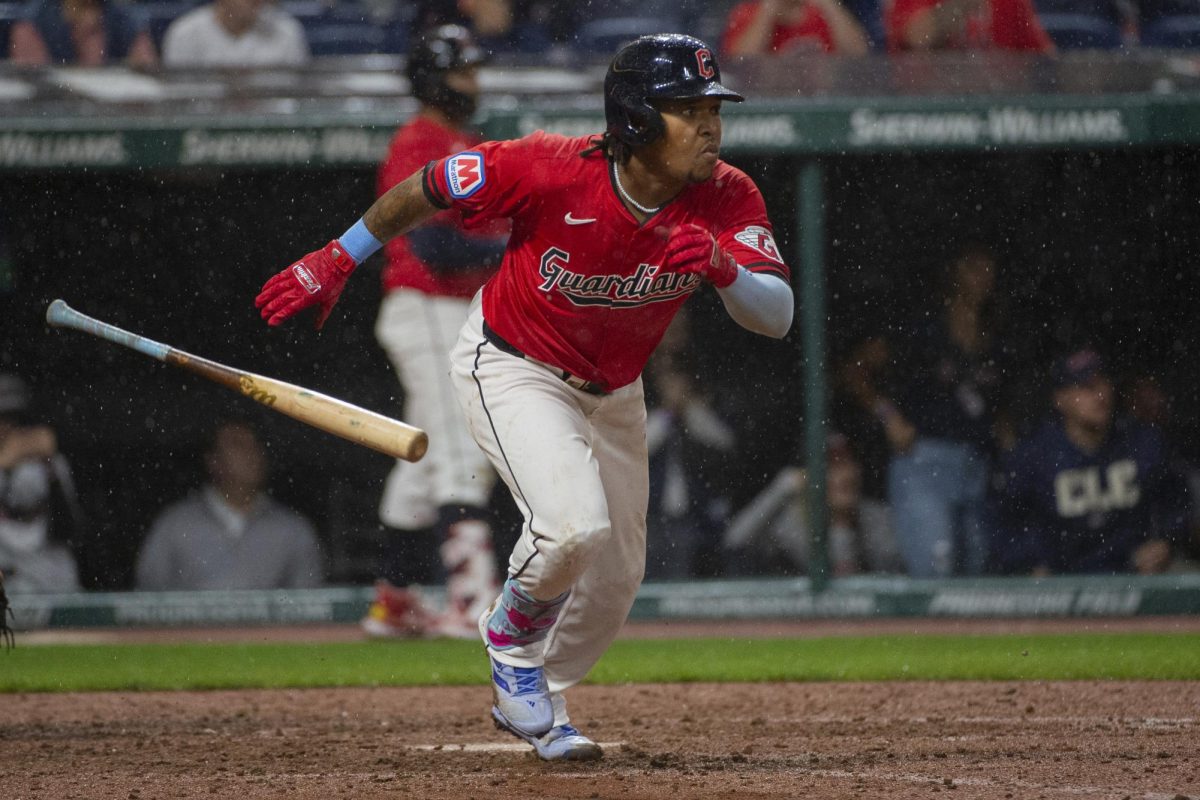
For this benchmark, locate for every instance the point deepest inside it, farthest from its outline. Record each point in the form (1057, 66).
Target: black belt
(574, 381)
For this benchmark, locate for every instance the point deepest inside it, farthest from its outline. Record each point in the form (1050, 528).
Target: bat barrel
(327, 413)
(61, 315)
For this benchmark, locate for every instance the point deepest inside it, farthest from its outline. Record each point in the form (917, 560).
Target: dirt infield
(1119, 740)
(828, 740)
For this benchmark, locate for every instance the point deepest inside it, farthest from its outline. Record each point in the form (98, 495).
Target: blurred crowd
(247, 33)
(940, 462)
(937, 465)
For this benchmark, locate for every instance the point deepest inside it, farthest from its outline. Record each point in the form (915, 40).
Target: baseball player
(430, 278)
(611, 234)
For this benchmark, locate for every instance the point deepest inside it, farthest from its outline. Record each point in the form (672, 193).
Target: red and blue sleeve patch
(465, 174)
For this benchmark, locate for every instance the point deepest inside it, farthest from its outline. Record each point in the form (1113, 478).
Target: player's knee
(582, 538)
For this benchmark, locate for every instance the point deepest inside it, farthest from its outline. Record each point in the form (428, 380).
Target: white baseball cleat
(522, 700)
(560, 743)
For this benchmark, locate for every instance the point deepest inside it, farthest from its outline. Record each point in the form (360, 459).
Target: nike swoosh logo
(574, 221)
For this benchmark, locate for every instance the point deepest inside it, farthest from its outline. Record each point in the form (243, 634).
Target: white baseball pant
(417, 330)
(576, 465)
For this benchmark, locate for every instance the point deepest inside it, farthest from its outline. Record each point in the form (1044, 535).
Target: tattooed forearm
(401, 209)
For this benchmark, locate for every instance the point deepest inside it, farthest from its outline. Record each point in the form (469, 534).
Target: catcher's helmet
(655, 67)
(436, 52)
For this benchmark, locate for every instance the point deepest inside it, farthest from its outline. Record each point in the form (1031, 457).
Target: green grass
(56, 668)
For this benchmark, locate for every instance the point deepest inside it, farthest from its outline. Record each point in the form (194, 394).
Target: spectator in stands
(235, 33)
(229, 534)
(1147, 401)
(944, 418)
(964, 25)
(39, 510)
(498, 25)
(864, 410)
(774, 525)
(778, 26)
(690, 446)
(86, 33)
(1088, 492)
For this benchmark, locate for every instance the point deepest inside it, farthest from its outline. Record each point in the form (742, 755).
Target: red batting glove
(692, 249)
(316, 279)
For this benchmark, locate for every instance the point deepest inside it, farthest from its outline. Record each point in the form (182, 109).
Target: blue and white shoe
(565, 743)
(521, 700)
(561, 743)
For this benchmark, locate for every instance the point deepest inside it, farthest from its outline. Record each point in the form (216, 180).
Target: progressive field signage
(768, 598)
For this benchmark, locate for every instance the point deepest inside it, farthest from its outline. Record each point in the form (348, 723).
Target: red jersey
(417, 143)
(810, 30)
(1004, 24)
(582, 284)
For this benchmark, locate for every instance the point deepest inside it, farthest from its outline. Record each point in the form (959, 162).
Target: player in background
(611, 234)
(429, 280)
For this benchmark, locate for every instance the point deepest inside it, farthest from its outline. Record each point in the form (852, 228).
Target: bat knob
(57, 313)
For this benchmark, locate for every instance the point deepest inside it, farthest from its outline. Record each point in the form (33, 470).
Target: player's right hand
(315, 280)
(692, 249)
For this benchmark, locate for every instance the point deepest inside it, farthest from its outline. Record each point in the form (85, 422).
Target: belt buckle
(591, 387)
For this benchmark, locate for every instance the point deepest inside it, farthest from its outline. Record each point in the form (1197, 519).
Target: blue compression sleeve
(759, 302)
(359, 243)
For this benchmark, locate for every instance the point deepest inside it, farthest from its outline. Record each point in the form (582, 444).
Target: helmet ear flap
(643, 123)
(649, 122)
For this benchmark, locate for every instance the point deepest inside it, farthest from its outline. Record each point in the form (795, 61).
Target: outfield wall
(766, 599)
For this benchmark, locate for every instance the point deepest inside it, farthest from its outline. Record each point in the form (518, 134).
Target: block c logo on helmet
(704, 61)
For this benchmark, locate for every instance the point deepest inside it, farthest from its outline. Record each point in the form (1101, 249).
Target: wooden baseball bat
(338, 417)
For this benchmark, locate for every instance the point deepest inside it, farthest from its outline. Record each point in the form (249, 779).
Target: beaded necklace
(628, 199)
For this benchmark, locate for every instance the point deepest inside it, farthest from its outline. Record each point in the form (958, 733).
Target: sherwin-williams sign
(1004, 125)
(801, 127)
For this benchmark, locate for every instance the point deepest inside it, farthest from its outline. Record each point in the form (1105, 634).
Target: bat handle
(61, 315)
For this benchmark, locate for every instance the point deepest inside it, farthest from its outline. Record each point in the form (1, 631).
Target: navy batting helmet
(436, 52)
(657, 67)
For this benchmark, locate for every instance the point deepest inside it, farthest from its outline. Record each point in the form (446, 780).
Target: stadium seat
(338, 29)
(1081, 31)
(160, 15)
(605, 35)
(1177, 31)
(306, 10)
(9, 13)
(869, 14)
(398, 31)
(1081, 24)
(334, 38)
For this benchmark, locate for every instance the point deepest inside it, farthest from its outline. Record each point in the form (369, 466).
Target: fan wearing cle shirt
(1087, 493)
(610, 236)
(430, 278)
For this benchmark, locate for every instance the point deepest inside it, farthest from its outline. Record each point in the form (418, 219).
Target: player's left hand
(316, 279)
(692, 249)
